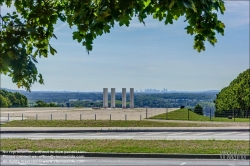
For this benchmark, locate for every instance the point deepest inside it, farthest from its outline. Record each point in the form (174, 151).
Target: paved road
(77, 129)
(134, 135)
(63, 160)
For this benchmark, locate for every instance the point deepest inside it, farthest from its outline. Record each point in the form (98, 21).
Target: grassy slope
(182, 114)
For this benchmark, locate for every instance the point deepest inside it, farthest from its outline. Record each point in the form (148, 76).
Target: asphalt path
(134, 135)
(117, 129)
(93, 161)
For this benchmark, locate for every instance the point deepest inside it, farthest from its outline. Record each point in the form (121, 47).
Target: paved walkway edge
(123, 130)
(121, 155)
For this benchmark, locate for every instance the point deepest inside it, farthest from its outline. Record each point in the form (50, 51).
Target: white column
(105, 97)
(112, 97)
(123, 97)
(132, 98)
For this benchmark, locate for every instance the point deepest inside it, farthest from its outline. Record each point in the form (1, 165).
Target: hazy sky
(155, 56)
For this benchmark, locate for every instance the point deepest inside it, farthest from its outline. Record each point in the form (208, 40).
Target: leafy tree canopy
(16, 99)
(4, 102)
(236, 95)
(26, 33)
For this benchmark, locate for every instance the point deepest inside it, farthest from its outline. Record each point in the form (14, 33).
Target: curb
(124, 130)
(121, 155)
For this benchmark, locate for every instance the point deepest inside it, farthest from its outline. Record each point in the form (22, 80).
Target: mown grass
(182, 114)
(103, 123)
(128, 146)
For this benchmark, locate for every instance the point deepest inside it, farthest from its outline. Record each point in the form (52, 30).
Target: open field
(183, 114)
(108, 123)
(85, 117)
(128, 146)
(83, 113)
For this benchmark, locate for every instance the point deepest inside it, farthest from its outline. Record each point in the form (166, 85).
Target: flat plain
(60, 113)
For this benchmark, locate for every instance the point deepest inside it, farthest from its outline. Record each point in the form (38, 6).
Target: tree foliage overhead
(236, 95)
(26, 33)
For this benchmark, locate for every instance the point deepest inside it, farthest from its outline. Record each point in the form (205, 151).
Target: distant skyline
(116, 90)
(154, 56)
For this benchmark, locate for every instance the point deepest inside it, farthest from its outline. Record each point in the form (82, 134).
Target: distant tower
(123, 97)
(105, 97)
(131, 97)
(112, 97)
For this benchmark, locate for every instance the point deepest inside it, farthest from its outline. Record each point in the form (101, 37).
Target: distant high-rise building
(112, 97)
(105, 97)
(123, 97)
(131, 97)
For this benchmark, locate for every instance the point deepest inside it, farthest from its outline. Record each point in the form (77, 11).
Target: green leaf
(222, 6)
(216, 5)
(44, 52)
(54, 36)
(154, 16)
(169, 19)
(52, 50)
(146, 3)
(171, 4)
(62, 17)
(124, 19)
(36, 52)
(40, 79)
(89, 37)
(190, 30)
(106, 28)
(77, 35)
(187, 4)
(193, 7)
(29, 49)
(53, 19)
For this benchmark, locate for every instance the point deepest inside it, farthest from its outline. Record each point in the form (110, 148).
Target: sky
(154, 56)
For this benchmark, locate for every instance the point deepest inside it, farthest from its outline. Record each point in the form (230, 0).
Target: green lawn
(129, 146)
(104, 123)
(182, 114)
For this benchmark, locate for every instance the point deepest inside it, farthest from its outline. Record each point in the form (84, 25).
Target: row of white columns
(105, 97)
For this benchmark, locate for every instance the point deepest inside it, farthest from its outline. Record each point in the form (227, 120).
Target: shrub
(198, 109)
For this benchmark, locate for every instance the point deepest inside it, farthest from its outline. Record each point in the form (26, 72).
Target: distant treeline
(161, 100)
(231, 100)
(40, 103)
(9, 99)
(208, 106)
(141, 99)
